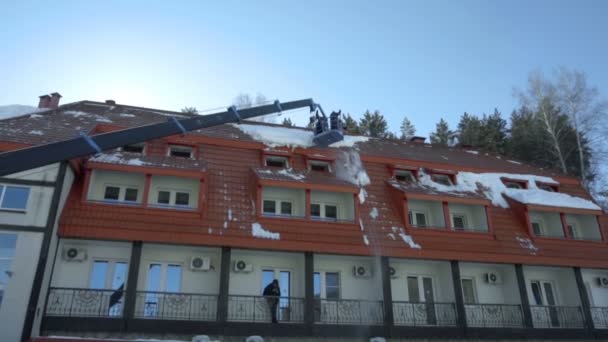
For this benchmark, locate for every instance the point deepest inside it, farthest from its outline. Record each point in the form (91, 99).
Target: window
(546, 187)
(8, 242)
(459, 221)
(173, 198)
(319, 165)
(420, 289)
(180, 151)
(134, 148)
(120, 193)
(537, 228)
(277, 161)
(468, 290)
(573, 231)
(14, 198)
(324, 211)
(417, 218)
(405, 176)
(160, 278)
(326, 285)
(442, 179)
(513, 185)
(277, 207)
(106, 274)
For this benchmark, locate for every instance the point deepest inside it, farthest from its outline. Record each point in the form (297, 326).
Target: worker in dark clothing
(272, 293)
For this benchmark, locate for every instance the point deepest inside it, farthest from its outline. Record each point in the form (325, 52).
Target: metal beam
(130, 292)
(29, 158)
(387, 295)
(523, 295)
(222, 300)
(309, 291)
(585, 302)
(461, 312)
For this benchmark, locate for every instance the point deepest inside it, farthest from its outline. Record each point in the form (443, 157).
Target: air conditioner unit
(392, 272)
(493, 278)
(200, 263)
(602, 281)
(74, 254)
(242, 266)
(362, 272)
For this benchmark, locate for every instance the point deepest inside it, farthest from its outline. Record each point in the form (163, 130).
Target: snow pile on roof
(291, 174)
(492, 187)
(258, 231)
(36, 132)
(16, 110)
(117, 158)
(472, 151)
(274, 136)
(554, 199)
(127, 115)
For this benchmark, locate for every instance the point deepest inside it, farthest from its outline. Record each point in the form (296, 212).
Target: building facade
(366, 237)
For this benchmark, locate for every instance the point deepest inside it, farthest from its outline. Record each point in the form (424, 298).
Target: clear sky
(423, 59)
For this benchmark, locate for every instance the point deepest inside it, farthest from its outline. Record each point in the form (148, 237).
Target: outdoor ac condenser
(241, 266)
(74, 254)
(493, 278)
(200, 263)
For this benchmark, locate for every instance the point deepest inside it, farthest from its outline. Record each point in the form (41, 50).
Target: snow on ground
(16, 110)
(258, 231)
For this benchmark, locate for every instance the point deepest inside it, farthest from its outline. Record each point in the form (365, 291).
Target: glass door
(544, 295)
(420, 290)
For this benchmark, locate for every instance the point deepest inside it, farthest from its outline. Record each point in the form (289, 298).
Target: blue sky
(424, 60)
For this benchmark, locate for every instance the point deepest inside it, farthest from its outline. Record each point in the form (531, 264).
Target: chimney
(44, 102)
(55, 97)
(417, 140)
(111, 102)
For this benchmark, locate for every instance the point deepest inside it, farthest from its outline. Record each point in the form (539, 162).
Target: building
(179, 236)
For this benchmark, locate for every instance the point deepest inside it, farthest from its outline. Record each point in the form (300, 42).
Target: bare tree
(244, 100)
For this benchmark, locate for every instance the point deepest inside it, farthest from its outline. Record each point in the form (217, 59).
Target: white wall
(505, 293)
(44, 173)
(586, 225)
(251, 283)
(343, 200)
(352, 287)
(550, 221)
(19, 286)
(78, 274)
(433, 210)
(182, 184)
(202, 282)
(297, 197)
(564, 283)
(475, 215)
(439, 271)
(598, 295)
(99, 179)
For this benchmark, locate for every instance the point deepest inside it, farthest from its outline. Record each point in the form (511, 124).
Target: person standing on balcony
(272, 292)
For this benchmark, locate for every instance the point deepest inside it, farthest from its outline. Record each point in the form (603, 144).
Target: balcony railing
(258, 309)
(494, 315)
(349, 311)
(76, 302)
(600, 317)
(176, 306)
(424, 314)
(557, 316)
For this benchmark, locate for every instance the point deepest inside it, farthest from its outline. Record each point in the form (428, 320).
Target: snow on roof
(554, 199)
(258, 231)
(291, 174)
(350, 168)
(274, 136)
(117, 158)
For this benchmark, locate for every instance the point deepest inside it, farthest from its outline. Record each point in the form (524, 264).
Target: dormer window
(120, 193)
(405, 176)
(442, 179)
(514, 183)
(134, 148)
(277, 161)
(547, 187)
(180, 151)
(319, 165)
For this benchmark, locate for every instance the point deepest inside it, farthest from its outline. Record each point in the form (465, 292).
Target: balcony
(557, 316)
(257, 309)
(349, 311)
(494, 315)
(176, 306)
(424, 314)
(600, 317)
(76, 302)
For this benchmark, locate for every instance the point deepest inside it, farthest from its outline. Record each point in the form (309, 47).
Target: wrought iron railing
(176, 306)
(258, 309)
(424, 314)
(600, 316)
(494, 315)
(557, 316)
(78, 302)
(349, 311)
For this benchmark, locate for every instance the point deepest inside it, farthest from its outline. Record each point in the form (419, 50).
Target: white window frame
(172, 198)
(164, 266)
(182, 147)
(574, 231)
(415, 220)
(474, 285)
(405, 172)
(541, 227)
(322, 282)
(322, 211)
(543, 294)
(3, 188)
(276, 158)
(320, 162)
(420, 280)
(109, 272)
(122, 192)
(465, 221)
(277, 206)
(441, 175)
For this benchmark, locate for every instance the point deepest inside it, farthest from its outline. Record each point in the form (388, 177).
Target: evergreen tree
(190, 110)
(287, 122)
(407, 129)
(469, 128)
(350, 125)
(441, 134)
(493, 135)
(373, 124)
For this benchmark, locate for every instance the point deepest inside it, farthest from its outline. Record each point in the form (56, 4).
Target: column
(523, 295)
(222, 300)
